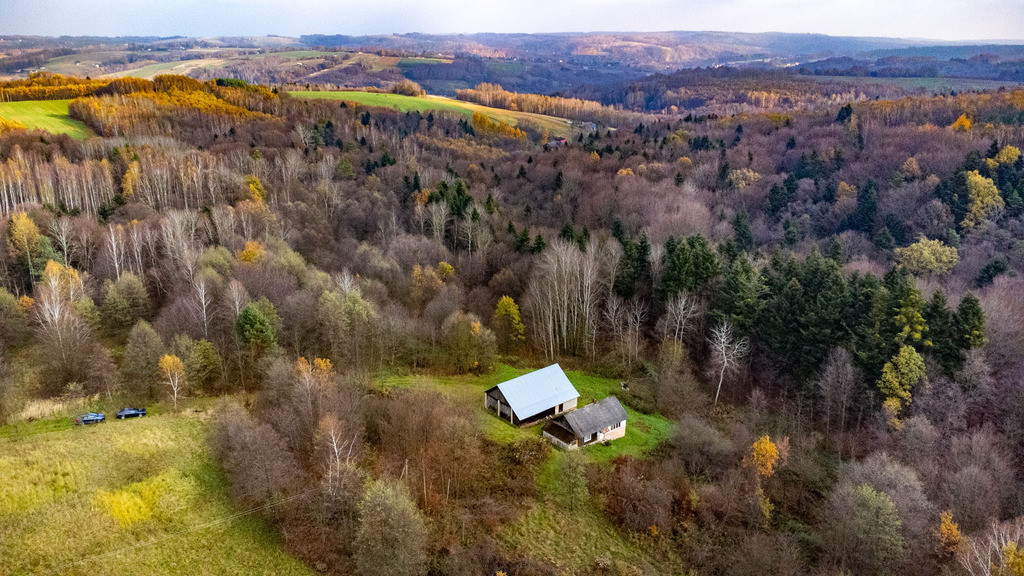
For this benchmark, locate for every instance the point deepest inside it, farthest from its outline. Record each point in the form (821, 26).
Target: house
(598, 422)
(532, 396)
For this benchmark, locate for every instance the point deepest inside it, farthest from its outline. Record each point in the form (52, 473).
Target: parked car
(90, 418)
(130, 413)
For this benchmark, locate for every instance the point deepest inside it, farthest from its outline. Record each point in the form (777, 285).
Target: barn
(532, 396)
(598, 422)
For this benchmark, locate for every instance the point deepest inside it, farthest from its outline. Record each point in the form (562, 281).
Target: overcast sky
(938, 19)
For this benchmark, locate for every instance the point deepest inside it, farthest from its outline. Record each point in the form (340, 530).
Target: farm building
(532, 396)
(604, 420)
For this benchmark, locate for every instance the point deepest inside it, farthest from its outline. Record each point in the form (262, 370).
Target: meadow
(151, 71)
(147, 494)
(555, 126)
(137, 496)
(50, 115)
(557, 528)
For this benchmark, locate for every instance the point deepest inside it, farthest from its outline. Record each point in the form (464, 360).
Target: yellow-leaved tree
(927, 257)
(899, 376)
(252, 253)
(984, 201)
(130, 180)
(23, 237)
(173, 371)
(764, 458)
(949, 538)
(962, 124)
(508, 327)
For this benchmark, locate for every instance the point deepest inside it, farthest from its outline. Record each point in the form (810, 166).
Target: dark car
(90, 418)
(130, 413)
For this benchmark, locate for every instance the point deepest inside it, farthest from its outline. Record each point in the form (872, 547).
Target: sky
(934, 19)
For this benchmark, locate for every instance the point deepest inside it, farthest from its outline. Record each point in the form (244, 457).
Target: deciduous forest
(810, 304)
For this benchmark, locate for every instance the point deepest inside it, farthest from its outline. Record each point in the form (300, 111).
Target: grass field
(138, 496)
(51, 115)
(643, 431)
(555, 126)
(570, 535)
(153, 70)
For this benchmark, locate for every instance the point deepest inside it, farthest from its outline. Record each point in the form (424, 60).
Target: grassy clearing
(571, 535)
(424, 104)
(50, 115)
(643, 431)
(140, 496)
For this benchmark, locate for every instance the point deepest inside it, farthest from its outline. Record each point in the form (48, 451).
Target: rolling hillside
(555, 126)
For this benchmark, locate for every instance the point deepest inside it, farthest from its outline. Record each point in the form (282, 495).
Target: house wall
(566, 406)
(615, 433)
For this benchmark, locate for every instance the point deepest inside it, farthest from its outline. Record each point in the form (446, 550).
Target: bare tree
(983, 555)
(61, 231)
(836, 384)
(562, 302)
(439, 215)
(636, 313)
(237, 296)
(726, 352)
(203, 302)
(115, 245)
(681, 314)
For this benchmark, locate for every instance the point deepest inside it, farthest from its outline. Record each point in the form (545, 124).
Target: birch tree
(681, 314)
(173, 371)
(726, 352)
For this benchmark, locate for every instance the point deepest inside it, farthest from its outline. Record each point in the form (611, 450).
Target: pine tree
(970, 323)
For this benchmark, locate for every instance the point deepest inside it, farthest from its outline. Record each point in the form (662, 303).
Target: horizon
(988, 21)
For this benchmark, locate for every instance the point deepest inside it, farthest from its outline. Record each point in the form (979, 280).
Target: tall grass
(137, 496)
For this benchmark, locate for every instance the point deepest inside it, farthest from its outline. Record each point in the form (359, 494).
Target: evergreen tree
(739, 300)
(942, 331)
(970, 323)
(741, 227)
(689, 265)
(863, 217)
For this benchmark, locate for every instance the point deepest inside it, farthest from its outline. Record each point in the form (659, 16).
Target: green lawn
(570, 535)
(138, 496)
(51, 115)
(643, 431)
(424, 104)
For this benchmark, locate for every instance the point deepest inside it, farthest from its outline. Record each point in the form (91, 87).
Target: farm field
(50, 115)
(179, 67)
(402, 103)
(141, 496)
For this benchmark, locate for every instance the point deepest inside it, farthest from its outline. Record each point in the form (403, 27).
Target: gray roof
(595, 417)
(533, 393)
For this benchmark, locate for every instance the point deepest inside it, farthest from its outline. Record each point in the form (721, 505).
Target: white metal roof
(533, 393)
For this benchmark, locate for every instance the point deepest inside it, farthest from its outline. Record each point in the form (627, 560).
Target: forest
(815, 295)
